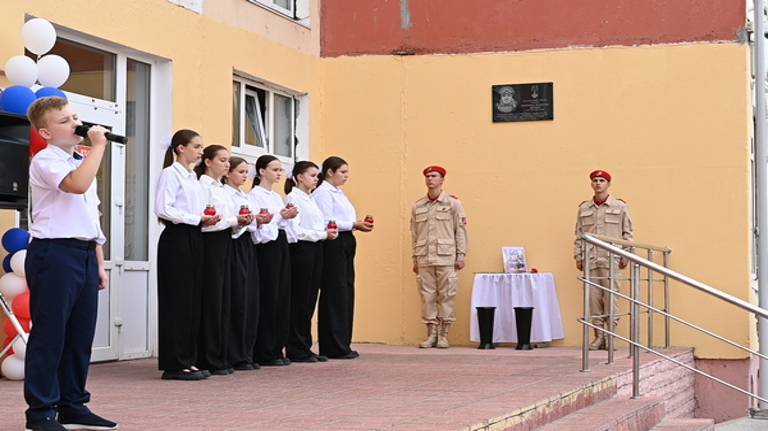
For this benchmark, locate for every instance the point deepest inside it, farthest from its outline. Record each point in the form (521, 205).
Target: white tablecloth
(506, 291)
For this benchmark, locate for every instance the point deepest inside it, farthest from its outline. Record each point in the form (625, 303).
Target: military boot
(431, 337)
(442, 337)
(599, 342)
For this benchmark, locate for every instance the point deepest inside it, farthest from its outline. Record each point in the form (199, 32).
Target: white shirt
(335, 206)
(263, 198)
(239, 198)
(180, 197)
(56, 213)
(310, 223)
(216, 194)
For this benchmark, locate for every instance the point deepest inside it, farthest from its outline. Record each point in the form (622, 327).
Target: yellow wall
(671, 123)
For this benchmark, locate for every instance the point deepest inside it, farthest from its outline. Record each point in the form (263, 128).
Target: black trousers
(275, 299)
(63, 280)
(337, 296)
(306, 276)
(214, 322)
(179, 295)
(244, 308)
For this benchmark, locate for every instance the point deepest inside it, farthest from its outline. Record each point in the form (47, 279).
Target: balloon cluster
(13, 287)
(51, 71)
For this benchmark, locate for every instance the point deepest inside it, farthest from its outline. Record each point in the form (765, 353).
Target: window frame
(249, 151)
(270, 4)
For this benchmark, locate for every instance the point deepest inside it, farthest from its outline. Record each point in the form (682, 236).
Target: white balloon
(21, 70)
(53, 71)
(39, 35)
(12, 285)
(20, 348)
(17, 263)
(13, 368)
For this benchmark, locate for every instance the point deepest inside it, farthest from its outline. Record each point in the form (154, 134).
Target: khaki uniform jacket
(609, 219)
(438, 231)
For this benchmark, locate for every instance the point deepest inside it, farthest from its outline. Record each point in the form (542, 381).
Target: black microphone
(82, 130)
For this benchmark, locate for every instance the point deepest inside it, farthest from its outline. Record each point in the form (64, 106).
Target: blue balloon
(15, 239)
(7, 264)
(16, 99)
(50, 91)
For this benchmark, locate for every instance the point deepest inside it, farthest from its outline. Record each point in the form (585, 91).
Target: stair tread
(685, 424)
(606, 414)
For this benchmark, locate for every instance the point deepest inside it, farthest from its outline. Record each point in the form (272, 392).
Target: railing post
(587, 317)
(611, 300)
(650, 300)
(635, 281)
(666, 302)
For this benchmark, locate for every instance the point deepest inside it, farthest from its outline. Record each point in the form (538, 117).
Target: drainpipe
(761, 185)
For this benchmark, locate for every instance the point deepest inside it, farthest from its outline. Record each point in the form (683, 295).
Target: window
(297, 10)
(263, 121)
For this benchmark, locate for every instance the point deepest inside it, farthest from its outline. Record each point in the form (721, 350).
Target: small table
(506, 291)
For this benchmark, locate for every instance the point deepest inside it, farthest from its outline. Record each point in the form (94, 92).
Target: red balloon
(20, 306)
(11, 331)
(7, 341)
(36, 142)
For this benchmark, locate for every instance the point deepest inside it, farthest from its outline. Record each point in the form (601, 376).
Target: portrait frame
(514, 259)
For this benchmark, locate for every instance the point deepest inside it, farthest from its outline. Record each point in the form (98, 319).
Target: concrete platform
(387, 388)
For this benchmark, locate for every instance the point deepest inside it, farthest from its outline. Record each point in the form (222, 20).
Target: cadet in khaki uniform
(608, 216)
(439, 240)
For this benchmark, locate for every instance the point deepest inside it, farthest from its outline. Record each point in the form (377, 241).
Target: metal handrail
(661, 248)
(675, 318)
(671, 359)
(604, 243)
(677, 276)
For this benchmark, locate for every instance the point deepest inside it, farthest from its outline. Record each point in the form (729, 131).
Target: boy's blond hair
(38, 109)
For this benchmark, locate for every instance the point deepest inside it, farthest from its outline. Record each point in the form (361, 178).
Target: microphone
(82, 130)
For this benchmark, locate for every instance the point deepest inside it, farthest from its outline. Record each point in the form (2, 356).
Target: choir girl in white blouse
(337, 292)
(306, 260)
(179, 204)
(274, 263)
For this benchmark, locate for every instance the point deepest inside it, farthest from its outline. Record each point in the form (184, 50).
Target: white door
(113, 89)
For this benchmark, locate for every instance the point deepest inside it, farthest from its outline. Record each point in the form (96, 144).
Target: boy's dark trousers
(63, 280)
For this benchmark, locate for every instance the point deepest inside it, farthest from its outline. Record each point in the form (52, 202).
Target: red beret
(439, 169)
(601, 174)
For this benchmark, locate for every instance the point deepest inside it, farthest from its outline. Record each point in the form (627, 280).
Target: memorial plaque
(523, 102)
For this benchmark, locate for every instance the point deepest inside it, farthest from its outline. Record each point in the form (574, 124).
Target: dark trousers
(214, 319)
(337, 296)
(306, 276)
(275, 296)
(63, 280)
(179, 295)
(244, 312)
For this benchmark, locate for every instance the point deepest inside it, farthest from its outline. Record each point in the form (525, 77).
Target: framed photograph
(514, 259)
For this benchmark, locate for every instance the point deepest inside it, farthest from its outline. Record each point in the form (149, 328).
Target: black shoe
(256, 366)
(222, 372)
(89, 422)
(286, 361)
(310, 358)
(205, 373)
(351, 355)
(182, 375)
(47, 424)
(230, 370)
(244, 367)
(321, 358)
(273, 363)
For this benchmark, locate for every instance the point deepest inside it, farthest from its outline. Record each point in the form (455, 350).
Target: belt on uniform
(69, 242)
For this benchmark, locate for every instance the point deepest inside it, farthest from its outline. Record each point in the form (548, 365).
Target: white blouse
(335, 206)
(273, 202)
(216, 194)
(239, 198)
(180, 197)
(310, 223)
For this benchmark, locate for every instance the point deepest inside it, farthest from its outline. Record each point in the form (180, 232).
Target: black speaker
(14, 161)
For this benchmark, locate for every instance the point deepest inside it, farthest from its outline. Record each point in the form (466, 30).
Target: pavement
(387, 388)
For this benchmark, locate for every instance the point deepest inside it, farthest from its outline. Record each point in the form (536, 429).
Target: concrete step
(640, 414)
(685, 425)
